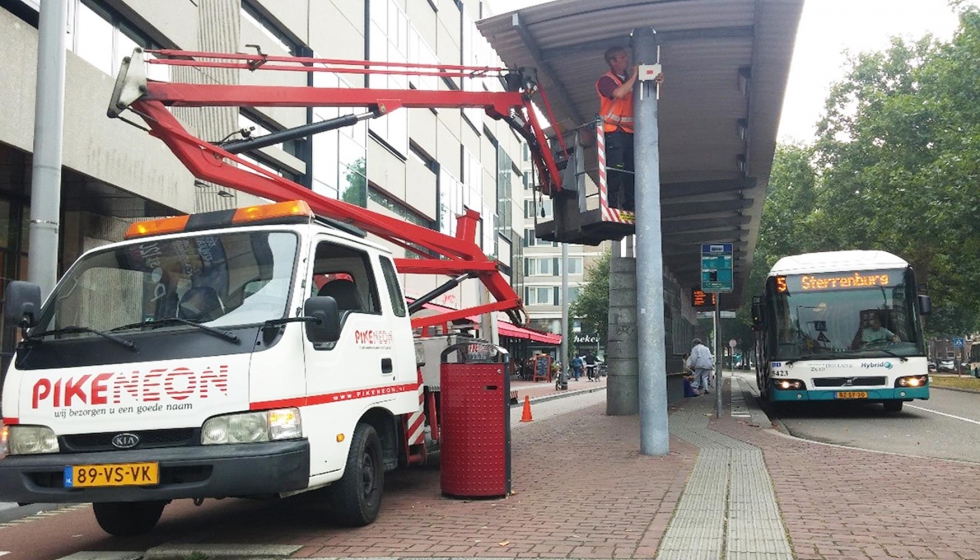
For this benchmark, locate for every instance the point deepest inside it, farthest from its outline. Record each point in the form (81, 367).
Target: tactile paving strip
(728, 508)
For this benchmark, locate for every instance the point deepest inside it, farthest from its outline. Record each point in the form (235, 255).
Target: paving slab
(728, 508)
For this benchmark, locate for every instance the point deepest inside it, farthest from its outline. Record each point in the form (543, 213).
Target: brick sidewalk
(582, 490)
(844, 503)
(545, 389)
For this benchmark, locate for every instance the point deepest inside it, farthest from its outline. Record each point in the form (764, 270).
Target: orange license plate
(119, 474)
(852, 394)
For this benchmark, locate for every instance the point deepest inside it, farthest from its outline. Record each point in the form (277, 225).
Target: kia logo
(125, 441)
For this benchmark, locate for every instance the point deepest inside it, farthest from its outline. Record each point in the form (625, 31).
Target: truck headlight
(253, 427)
(27, 440)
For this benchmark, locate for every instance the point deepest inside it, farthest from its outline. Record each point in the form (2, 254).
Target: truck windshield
(217, 280)
(844, 315)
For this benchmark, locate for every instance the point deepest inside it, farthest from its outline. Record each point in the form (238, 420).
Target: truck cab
(255, 352)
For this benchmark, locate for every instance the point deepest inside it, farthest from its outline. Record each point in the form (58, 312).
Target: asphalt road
(947, 426)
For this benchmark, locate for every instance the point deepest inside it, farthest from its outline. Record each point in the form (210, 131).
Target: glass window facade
(103, 38)
(388, 41)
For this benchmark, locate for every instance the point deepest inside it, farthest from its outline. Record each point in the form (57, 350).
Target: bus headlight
(912, 381)
(790, 384)
(27, 440)
(253, 427)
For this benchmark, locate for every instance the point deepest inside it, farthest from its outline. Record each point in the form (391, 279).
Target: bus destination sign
(838, 281)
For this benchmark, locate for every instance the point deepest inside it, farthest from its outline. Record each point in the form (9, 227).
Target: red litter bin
(475, 421)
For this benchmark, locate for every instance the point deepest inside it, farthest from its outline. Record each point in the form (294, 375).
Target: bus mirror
(925, 305)
(756, 310)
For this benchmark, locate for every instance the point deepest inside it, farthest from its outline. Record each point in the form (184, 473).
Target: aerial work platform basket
(582, 210)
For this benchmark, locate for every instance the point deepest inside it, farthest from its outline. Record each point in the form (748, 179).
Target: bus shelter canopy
(725, 64)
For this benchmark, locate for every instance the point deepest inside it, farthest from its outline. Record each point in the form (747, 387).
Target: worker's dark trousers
(619, 169)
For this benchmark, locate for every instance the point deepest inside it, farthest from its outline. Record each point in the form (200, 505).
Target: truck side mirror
(22, 305)
(323, 308)
(925, 305)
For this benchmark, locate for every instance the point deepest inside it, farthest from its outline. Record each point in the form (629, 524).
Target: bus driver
(876, 334)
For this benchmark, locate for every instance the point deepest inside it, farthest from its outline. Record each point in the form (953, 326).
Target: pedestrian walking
(590, 366)
(576, 367)
(702, 362)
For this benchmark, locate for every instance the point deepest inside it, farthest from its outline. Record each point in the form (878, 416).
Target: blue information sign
(959, 343)
(716, 268)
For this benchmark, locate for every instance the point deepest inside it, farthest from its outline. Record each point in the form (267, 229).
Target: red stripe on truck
(335, 397)
(10, 422)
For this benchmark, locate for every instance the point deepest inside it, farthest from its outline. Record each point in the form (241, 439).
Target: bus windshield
(844, 315)
(218, 280)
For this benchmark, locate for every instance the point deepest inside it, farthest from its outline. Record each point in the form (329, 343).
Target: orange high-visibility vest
(615, 113)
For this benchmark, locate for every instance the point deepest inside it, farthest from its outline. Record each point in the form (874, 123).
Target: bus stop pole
(718, 357)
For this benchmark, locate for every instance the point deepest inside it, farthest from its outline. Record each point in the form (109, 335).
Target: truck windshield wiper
(229, 336)
(36, 337)
(284, 320)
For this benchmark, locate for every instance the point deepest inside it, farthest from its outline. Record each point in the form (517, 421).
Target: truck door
(343, 377)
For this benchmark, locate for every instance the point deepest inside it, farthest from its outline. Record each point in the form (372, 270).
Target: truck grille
(177, 437)
(855, 381)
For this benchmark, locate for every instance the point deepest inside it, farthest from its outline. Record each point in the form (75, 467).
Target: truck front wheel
(356, 497)
(125, 519)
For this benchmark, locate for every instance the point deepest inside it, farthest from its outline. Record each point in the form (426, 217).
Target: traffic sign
(716, 267)
(732, 343)
(959, 342)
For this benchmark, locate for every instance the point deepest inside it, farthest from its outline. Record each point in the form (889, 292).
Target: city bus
(841, 326)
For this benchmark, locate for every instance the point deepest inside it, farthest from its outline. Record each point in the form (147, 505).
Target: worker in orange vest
(615, 89)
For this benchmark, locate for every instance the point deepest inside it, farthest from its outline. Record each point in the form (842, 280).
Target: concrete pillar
(622, 386)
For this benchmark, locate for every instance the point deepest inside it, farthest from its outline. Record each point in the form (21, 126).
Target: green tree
(899, 158)
(356, 189)
(791, 204)
(895, 167)
(592, 304)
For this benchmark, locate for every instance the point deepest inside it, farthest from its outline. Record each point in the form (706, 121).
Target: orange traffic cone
(526, 417)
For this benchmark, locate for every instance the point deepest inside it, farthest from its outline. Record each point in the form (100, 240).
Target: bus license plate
(119, 474)
(852, 395)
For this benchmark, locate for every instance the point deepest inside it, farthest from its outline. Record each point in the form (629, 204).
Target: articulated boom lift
(459, 257)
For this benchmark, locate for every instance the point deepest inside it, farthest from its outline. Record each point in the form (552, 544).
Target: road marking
(944, 414)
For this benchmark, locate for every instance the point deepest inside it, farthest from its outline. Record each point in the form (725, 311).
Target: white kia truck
(255, 352)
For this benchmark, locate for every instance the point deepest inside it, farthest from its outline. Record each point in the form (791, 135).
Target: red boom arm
(211, 163)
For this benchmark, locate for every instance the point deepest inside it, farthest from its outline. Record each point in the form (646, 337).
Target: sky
(828, 30)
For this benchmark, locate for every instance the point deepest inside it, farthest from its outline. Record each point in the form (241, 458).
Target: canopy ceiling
(725, 65)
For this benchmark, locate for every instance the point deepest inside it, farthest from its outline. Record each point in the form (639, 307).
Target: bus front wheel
(893, 406)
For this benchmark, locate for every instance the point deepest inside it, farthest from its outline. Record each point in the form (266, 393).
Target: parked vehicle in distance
(946, 365)
(932, 366)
